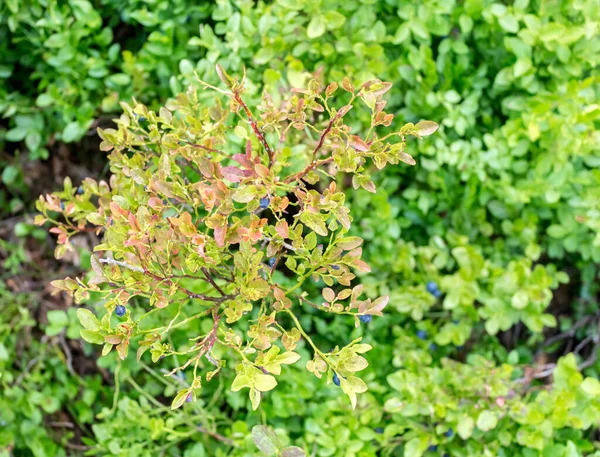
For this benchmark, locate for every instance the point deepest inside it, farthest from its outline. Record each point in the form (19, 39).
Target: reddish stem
(257, 133)
(314, 164)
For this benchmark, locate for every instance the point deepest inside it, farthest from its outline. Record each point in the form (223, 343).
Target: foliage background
(501, 212)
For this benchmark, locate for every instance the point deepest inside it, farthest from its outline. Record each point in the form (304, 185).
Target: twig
(67, 351)
(211, 281)
(61, 424)
(216, 436)
(200, 146)
(308, 169)
(571, 332)
(167, 281)
(583, 343)
(593, 356)
(257, 132)
(325, 133)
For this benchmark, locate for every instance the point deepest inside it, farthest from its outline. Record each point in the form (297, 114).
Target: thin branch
(216, 436)
(257, 132)
(167, 281)
(200, 146)
(67, 351)
(212, 281)
(307, 170)
(326, 132)
(571, 332)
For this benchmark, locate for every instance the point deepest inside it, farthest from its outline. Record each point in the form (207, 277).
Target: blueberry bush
(183, 208)
(487, 248)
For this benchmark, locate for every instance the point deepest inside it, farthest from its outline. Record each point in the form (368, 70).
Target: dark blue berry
(446, 455)
(189, 398)
(264, 202)
(335, 267)
(365, 319)
(336, 380)
(422, 334)
(433, 289)
(460, 348)
(120, 310)
(432, 347)
(449, 433)
(272, 261)
(432, 448)
(80, 190)
(62, 206)
(379, 430)
(142, 119)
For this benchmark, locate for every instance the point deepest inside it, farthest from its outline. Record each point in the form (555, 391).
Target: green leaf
(265, 439)
(57, 317)
(426, 128)
(487, 420)
(350, 242)
(334, 20)
(72, 132)
(591, 386)
(520, 299)
(416, 447)
(509, 23)
(293, 451)
(557, 231)
(465, 427)
(316, 27)
(264, 382)
(119, 79)
(88, 319)
(180, 398)
(92, 337)
(522, 66)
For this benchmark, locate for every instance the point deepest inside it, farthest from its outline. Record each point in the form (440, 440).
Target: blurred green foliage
(501, 209)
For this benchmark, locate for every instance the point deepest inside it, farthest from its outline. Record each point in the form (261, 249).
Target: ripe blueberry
(365, 319)
(120, 310)
(433, 289)
(422, 334)
(379, 430)
(449, 433)
(272, 261)
(80, 190)
(335, 267)
(432, 448)
(432, 347)
(336, 380)
(264, 202)
(62, 206)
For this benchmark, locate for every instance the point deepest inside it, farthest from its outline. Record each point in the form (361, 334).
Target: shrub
(188, 221)
(500, 214)
(64, 64)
